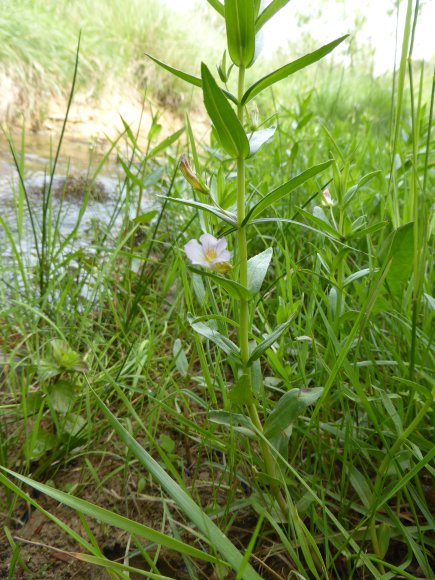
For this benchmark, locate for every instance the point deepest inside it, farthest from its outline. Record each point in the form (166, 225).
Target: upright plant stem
(244, 329)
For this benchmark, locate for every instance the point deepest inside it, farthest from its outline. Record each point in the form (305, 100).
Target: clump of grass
(38, 40)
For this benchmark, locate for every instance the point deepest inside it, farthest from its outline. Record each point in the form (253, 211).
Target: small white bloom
(327, 199)
(211, 253)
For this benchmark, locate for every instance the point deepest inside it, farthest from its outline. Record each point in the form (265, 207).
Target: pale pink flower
(211, 253)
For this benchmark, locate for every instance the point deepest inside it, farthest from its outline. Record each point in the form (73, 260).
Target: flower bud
(327, 200)
(191, 177)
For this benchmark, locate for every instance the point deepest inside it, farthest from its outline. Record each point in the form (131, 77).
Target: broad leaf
(240, 25)
(259, 138)
(207, 330)
(257, 269)
(231, 133)
(271, 338)
(289, 407)
(285, 189)
(220, 213)
(233, 288)
(290, 69)
(269, 12)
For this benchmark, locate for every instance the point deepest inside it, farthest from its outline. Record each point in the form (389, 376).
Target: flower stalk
(245, 318)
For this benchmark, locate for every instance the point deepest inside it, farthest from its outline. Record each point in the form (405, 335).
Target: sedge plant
(243, 278)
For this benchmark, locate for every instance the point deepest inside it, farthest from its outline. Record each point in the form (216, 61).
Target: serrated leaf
(269, 12)
(289, 407)
(259, 138)
(289, 69)
(257, 270)
(271, 338)
(231, 133)
(240, 27)
(208, 331)
(285, 189)
(233, 288)
(225, 216)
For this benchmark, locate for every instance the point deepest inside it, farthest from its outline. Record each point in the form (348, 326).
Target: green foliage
(326, 418)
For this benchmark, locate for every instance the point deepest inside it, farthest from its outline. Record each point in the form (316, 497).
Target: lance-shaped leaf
(289, 69)
(233, 288)
(284, 190)
(225, 216)
(268, 12)
(321, 224)
(257, 269)
(191, 79)
(259, 138)
(271, 338)
(240, 25)
(103, 515)
(289, 407)
(231, 133)
(218, 6)
(207, 330)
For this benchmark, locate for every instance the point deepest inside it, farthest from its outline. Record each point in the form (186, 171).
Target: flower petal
(195, 253)
(221, 245)
(223, 256)
(208, 241)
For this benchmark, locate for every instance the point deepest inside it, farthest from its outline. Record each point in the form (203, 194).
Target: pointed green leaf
(257, 269)
(320, 223)
(233, 288)
(231, 133)
(284, 190)
(191, 79)
(218, 6)
(240, 25)
(218, 540)
(290, 69)
(259, 138)
(207, 330)
(165, 143)
(103, 515)
(225, 216)
(401, 253)
(235, 421)
(271, 338)
(289, 407)
(269, 12)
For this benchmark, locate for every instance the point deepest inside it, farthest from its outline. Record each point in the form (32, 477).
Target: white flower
(327, 200)
(211, 253)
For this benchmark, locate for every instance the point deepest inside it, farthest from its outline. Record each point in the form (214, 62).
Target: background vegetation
(96, 351)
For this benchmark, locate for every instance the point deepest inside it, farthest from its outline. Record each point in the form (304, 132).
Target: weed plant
(313, 459)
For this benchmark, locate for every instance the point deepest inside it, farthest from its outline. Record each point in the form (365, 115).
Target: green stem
(245, 321)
